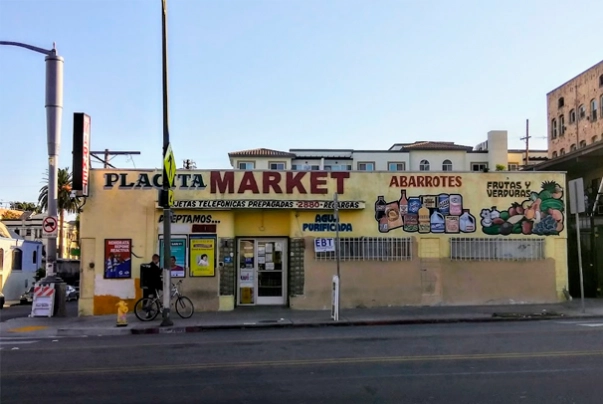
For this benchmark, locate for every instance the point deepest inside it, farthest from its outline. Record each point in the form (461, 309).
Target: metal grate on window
(370, 249)
(496, 249)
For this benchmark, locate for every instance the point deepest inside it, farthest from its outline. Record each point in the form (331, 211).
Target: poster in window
(202, 256)
(178, 256)
(118, 259)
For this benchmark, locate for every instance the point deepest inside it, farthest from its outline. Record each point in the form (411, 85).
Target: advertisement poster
(118, 258)
(203, 256)
(178, 249)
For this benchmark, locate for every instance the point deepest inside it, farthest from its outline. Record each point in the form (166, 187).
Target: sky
(283, 74)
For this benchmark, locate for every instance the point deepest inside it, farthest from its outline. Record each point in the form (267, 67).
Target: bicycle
(147, 308)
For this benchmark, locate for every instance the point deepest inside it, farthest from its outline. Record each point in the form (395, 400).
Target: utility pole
(189, 164)
(578, 115)
(108, 154)
(54, 117)
(169, 173)
(527, 139)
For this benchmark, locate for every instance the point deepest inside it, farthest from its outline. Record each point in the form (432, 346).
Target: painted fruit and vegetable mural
(541, 214)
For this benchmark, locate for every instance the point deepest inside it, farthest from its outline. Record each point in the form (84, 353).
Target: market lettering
(149, 181)
(190, 219)
(426, 181)
(508, 189)
(275, 182)
(225, 183)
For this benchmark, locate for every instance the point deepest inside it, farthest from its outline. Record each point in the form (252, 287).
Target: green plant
(64, 201)
(500, 167)
(25, 206)
(40, 274)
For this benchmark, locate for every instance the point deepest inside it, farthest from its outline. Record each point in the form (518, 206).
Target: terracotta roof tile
(423, 145)
(261, 152)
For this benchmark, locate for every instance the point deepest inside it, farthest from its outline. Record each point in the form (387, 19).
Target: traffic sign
(169, 165)
(50, 226)
(171, 197)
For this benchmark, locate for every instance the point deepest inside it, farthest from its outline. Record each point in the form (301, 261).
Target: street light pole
(167, 213)
(54, 117)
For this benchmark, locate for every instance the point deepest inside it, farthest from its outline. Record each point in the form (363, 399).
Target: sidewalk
(274, 317)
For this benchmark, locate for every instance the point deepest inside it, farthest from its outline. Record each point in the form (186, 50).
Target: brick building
(575, 112)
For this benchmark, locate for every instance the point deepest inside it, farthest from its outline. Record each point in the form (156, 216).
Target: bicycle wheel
(146, 309)
(184, 307)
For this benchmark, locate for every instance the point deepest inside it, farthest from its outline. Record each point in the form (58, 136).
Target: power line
(108, 155)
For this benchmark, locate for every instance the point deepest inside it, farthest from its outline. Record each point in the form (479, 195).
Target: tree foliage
(64, 201)
(25, 206)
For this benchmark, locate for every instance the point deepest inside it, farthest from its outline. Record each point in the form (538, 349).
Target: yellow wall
(132, 213)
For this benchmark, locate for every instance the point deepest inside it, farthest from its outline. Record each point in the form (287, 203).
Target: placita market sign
(225, 182)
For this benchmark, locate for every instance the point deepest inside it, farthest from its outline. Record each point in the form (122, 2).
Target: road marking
(308, 362)
(592, 325)
(304, 338)
(29, 328)
(11, 342)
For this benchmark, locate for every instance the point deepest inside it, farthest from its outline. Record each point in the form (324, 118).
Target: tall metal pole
(527, 139)
(167, 218)
(337, 252)
(54, 117)
(580, 258)
(54, 114)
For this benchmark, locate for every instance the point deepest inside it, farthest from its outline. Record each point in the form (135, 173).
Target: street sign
(324, 244)
(50, 226)
(576, 196)
(169, 165)
(171, 200)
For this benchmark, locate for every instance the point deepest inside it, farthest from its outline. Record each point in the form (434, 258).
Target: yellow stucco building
(245, 238)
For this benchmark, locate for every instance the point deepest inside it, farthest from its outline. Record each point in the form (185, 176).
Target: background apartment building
(417, 156)
(29, 227)
(575, 112)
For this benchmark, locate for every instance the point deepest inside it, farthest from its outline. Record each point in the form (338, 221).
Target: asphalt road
(529, 362)
(24, 310)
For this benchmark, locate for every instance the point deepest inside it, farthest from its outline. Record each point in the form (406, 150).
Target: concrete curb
(348, 323)
(72, 332)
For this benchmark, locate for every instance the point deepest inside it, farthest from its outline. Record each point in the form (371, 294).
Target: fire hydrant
(122, 309)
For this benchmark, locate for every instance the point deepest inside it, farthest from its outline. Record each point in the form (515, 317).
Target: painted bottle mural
(380, 216)
(403, 202)
(444, 204)
(436, 213)
(456, 205)
(380, 207)
(467, 222)
(452, 224)
(424, 225)
(437, 222)
(414, 204)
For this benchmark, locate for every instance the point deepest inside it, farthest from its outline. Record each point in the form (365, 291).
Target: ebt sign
(324, 244)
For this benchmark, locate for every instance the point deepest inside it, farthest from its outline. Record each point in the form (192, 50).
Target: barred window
(496, 249)
(370, 249)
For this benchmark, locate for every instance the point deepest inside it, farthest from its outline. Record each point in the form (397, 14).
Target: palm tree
(25, 206)
(64, 201)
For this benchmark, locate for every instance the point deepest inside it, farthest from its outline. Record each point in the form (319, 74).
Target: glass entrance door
(262, 274)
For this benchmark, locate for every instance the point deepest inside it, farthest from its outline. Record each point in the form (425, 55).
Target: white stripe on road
(16, 342)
